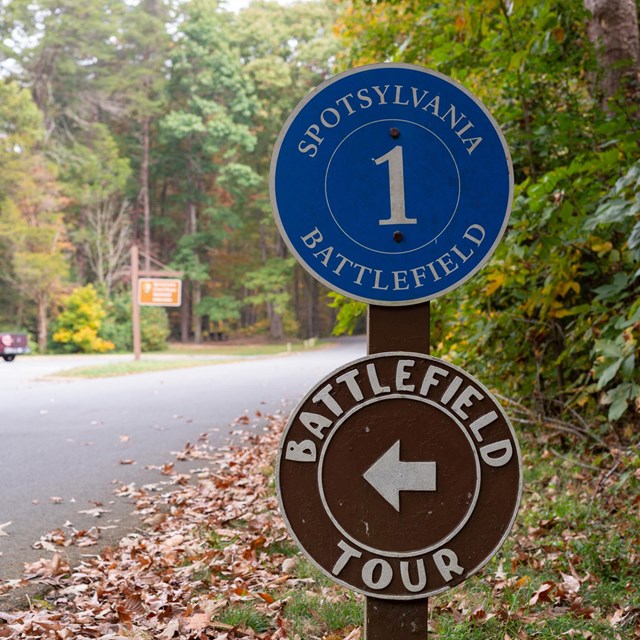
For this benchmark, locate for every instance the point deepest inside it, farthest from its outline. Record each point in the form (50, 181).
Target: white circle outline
(274, 200)
(364, 246)
(399, 554)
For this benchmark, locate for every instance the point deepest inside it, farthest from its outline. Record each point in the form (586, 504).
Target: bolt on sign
(399, 475)
(391, 184)
(160, 292)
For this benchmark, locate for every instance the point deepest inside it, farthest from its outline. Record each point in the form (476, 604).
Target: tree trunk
(196, 297)
(311, 287)
(276, 329)
(196, 287)
(144, 195)
(43, 325)
(614, 32)
(185, 313)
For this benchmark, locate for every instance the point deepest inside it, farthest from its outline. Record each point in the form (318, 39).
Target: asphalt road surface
(63, 441)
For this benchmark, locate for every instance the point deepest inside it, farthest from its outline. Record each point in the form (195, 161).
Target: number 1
(396, 187)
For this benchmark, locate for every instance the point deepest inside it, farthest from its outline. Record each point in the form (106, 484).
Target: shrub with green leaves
(554, 318)
(154, 325)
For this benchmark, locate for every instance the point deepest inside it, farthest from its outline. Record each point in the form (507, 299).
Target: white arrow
(388, 475)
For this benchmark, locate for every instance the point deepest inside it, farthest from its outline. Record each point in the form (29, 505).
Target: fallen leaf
(198, 622)
(570, 583)
(543, 594)
(96, 513)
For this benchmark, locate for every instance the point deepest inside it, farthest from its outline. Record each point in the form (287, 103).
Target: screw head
(398, 236)
(394, 132)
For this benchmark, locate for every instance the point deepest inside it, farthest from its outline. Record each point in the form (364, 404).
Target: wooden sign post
(161, 288)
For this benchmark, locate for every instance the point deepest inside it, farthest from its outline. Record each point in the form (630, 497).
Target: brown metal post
(135, 306)
(403, 328)
(398, 328)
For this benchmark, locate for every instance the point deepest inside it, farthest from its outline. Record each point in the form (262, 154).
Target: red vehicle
(12, 344)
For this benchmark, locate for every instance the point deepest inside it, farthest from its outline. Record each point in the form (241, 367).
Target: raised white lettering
(326, 253)
(430, 379)
(472, 236)
(304, 451)
(349, 378)
(350, 109)
(348, 552)
(381, 93)
(315, 423)
(327, 400)
(312, 239)
(414, 587)
(397, 99)
(465, 400)
(447, 563)
(376, 387)
(385, 573)
(503, 446)
(402, 374)
(481, 423)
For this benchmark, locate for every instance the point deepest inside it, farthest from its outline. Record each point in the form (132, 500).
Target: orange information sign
(160, 292)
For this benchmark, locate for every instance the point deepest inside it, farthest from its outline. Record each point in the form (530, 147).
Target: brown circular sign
(399, 475)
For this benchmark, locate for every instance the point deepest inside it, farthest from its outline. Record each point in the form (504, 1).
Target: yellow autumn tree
(78, 326)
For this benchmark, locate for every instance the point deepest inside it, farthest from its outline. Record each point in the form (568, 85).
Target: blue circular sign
(391, 184)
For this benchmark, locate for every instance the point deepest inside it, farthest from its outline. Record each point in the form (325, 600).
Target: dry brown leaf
(543, 594)
(198, 622)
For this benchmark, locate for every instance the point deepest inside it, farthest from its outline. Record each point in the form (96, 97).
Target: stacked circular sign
(391, 184)
(399, 475)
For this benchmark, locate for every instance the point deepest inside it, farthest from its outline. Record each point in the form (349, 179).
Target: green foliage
(220, 309)
(269, 284)
(615, 367)
(351, 314)
(77, 328)
(32, 230)
(553, 317)
(117, 327)
(147, 120)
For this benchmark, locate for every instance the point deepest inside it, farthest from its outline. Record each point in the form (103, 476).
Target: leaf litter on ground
(213, 561)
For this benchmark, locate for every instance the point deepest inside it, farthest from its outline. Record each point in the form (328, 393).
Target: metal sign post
(397, 329)
(399, 474)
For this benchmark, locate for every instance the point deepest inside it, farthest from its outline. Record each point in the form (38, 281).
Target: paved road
(66, 438)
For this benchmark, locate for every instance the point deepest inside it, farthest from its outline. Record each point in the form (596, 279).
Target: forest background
(153, 122)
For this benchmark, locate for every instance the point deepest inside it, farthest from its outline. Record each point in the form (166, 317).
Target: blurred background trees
(154, 121)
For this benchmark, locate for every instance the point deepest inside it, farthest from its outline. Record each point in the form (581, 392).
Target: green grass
(578, 528)
(312, 615)
(115, 369)
(258, 349)
(182, 360)
(245, 616)
(576, 519)
(578, 531)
